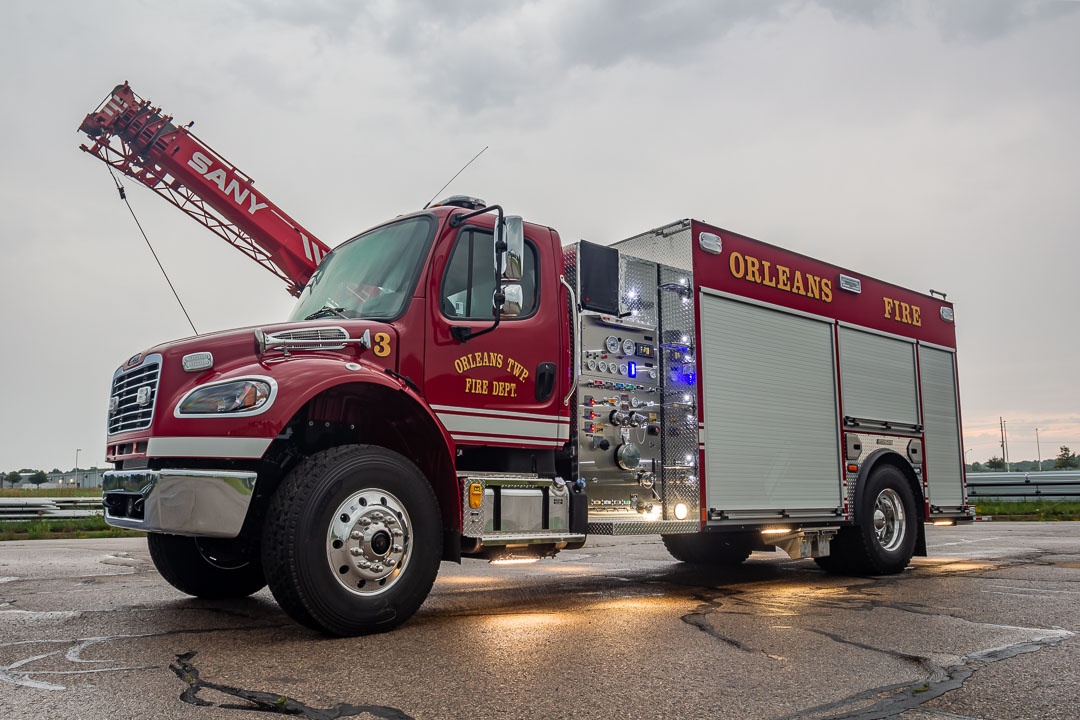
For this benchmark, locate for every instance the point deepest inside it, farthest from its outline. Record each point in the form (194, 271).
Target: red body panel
(484, 389)
(764, 272)
(299, 378)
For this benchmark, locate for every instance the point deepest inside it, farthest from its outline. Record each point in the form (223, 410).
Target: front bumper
(204, 503)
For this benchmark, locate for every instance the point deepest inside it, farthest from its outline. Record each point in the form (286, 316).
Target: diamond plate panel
(679, 391)
(666, 245)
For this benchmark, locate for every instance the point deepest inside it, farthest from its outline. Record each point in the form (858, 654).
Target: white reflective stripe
(307, 245)
(498, 413)
(504, 426)
(507, 440)
(208, 447)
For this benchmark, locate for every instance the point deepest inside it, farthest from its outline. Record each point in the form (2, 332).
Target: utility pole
(1001, 423)
(1004, 431)
(1038, 447)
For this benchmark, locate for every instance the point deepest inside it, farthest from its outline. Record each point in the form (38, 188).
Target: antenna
(426, 206)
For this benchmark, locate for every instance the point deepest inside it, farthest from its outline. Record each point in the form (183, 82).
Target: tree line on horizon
(1065, 460)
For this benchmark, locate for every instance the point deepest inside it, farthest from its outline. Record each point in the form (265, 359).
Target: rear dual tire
(883, 539)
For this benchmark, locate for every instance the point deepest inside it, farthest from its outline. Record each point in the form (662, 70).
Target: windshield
(371, 276)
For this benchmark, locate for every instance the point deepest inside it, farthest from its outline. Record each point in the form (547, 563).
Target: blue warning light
(631, 369)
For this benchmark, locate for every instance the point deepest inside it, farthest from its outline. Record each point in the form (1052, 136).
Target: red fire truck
(457, 382)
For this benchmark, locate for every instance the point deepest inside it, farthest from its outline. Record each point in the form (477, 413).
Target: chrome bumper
(208, 503)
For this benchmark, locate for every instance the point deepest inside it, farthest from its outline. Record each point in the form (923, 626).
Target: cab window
(469, 280)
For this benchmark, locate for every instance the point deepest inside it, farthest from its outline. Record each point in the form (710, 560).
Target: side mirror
(509, 262)
(513, 299)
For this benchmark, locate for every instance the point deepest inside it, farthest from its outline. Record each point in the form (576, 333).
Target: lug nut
(355, 552)
(356, 535)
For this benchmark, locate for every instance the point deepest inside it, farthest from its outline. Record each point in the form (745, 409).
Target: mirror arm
(458, 219)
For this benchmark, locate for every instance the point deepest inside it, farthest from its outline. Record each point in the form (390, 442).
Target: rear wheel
(352, 541)
(206, 567)
(715, 549)
(883, 539)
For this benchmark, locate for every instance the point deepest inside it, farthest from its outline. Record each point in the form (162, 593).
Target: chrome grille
(126, 413)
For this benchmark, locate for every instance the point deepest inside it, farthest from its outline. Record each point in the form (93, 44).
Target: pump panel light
(681, 511)
(229, 398)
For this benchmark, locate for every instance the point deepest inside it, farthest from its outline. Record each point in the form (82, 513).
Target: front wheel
(883, 539)
(206, 567)
(352, 541)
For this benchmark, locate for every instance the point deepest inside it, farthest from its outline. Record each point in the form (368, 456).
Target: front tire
(207, 568)
(714, 549)
(883, 539)
(352, 541)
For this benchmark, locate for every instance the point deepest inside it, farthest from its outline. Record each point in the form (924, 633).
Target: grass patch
(62, 529)
(50, 492)
(1029, 509)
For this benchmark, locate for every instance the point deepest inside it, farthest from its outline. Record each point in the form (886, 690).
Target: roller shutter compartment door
(941, 421)
(770, 409)
(877, 377)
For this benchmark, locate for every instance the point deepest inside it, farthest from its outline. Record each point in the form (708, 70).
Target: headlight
(233, 396)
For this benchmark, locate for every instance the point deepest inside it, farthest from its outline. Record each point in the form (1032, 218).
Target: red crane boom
(134, 137)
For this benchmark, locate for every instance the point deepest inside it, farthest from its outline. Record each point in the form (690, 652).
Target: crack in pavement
(258, 701)
(912, 695)
(14, 674)
(887, 700)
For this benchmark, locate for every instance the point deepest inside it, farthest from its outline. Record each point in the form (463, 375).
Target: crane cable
(123, 196)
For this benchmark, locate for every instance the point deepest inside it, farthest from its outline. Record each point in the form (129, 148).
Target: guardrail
(49, 508)
(1047, 485)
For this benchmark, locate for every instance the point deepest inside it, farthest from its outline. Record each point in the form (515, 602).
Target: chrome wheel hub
(368, 543)
(889, 519)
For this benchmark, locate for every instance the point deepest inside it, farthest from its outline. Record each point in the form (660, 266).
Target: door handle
(545, 381)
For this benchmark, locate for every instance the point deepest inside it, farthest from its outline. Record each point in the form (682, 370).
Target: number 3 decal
(381, 348)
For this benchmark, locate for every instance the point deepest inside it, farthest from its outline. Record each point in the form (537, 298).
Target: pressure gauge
(628, 346)
(601, 366)
(623, 368)
(613, 368)
(612, 344)
(591, 365)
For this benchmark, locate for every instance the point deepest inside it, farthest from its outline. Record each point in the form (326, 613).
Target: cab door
(497, 388)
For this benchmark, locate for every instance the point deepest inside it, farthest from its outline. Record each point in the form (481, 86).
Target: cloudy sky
(931, 144)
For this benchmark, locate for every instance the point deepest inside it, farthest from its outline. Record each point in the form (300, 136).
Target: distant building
(88, 478)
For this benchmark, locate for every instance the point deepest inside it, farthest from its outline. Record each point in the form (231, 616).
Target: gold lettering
(905, 313)
(752, 273)
(737, 265)
(813, 286)
(826, 290)
(782, 276)
(916, 318)
(889, 304)
(797, 287)
(768, 281)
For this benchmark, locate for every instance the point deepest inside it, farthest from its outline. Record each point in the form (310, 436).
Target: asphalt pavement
(982, 628)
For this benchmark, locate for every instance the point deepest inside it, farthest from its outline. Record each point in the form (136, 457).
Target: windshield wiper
(326, 310)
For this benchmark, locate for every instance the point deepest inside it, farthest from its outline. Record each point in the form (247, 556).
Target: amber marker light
(852, 468)
(476, 495)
